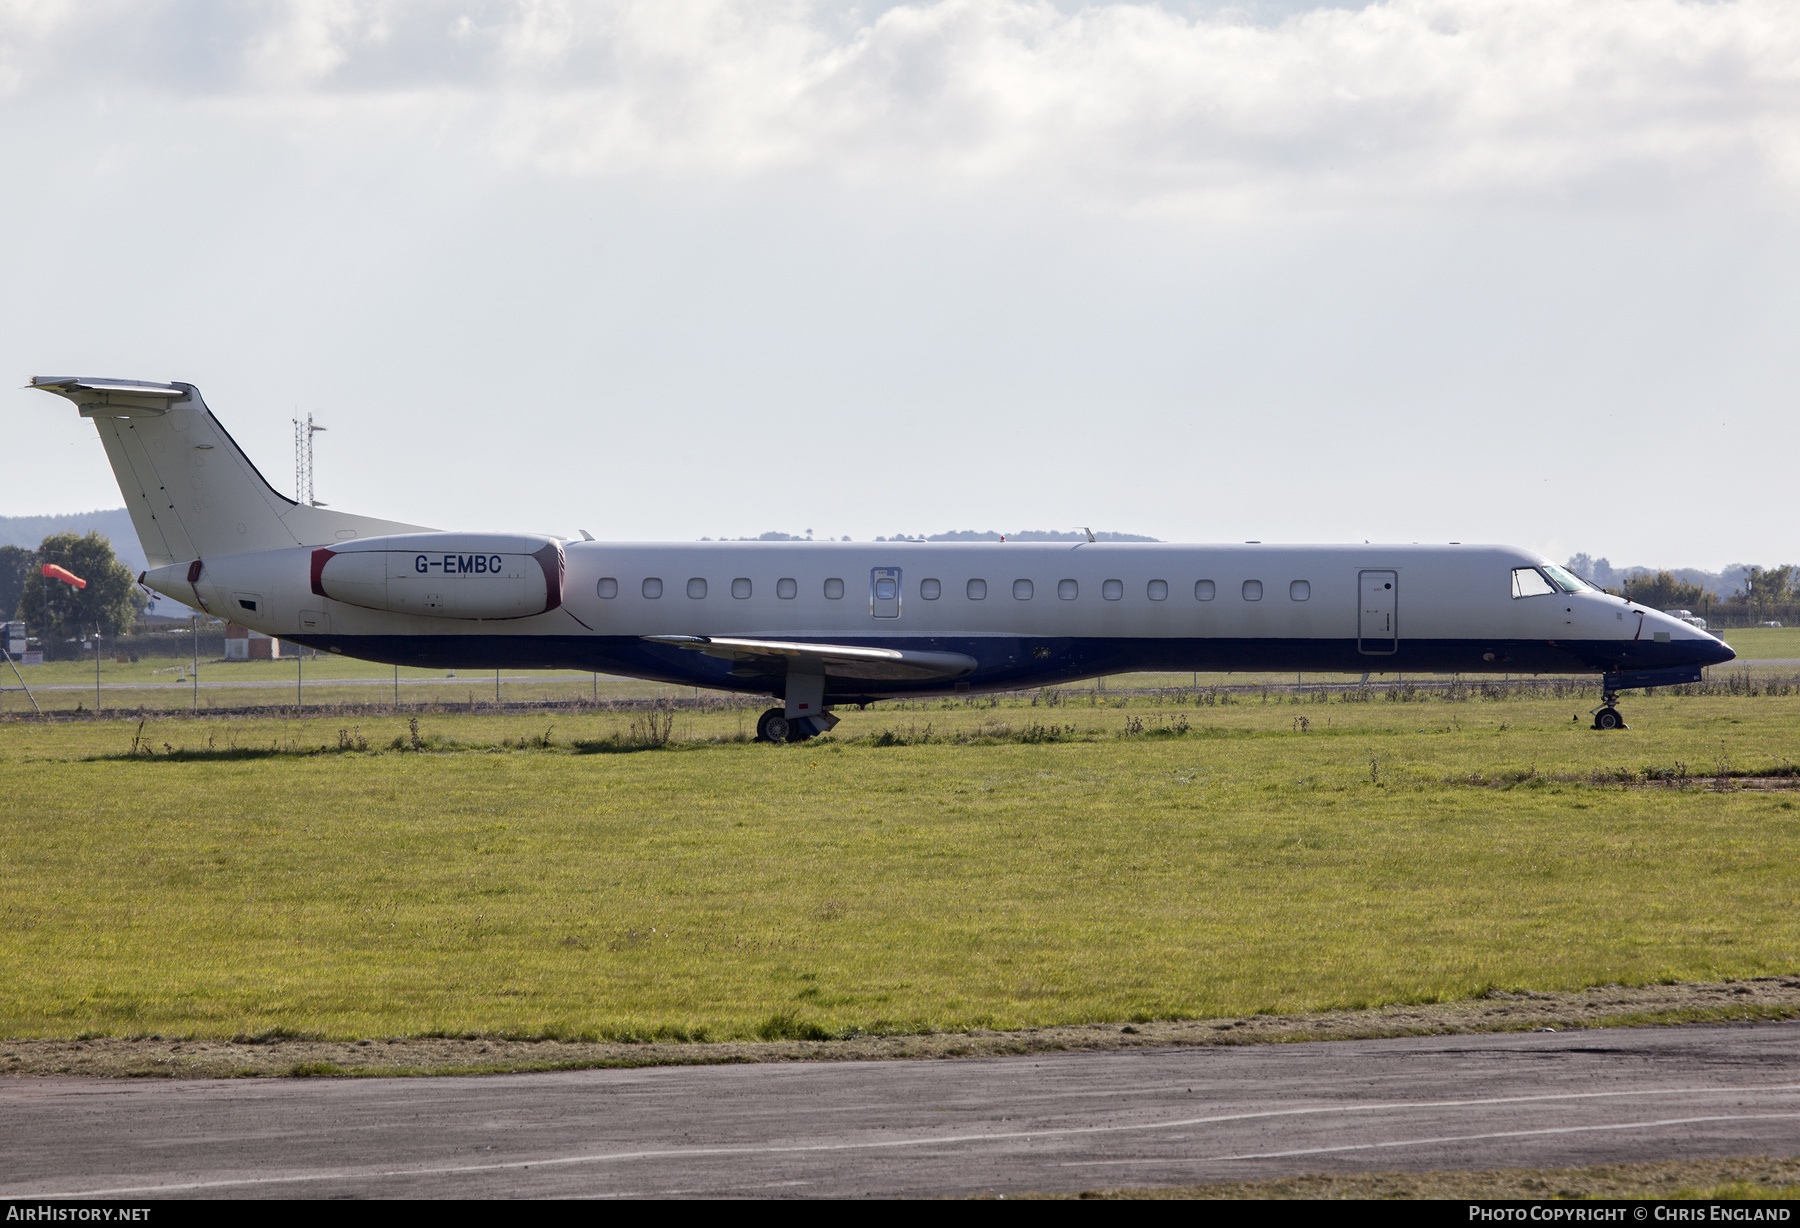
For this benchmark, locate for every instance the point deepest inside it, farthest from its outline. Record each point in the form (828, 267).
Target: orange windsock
(63, 574)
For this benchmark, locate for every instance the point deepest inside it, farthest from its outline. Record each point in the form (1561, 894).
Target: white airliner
(823, 623)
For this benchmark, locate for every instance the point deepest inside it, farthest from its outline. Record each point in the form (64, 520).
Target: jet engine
(444, 575)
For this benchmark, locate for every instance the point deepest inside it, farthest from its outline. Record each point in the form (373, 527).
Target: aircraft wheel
(772, 726)
(1608, 718)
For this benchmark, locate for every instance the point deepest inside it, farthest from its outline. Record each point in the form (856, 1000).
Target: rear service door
(884, 592)
(1377, 623)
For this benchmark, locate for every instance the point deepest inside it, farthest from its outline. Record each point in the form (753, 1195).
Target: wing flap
(834, 660)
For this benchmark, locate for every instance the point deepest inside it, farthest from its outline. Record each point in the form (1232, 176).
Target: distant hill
(114, 525)
(1726, 583)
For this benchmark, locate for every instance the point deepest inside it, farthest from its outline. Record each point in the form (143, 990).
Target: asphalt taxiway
(1044, 1122)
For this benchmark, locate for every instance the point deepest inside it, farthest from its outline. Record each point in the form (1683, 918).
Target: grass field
(1762, 643)
(1003, 864)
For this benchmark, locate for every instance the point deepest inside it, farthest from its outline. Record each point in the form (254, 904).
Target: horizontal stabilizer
(834, 660)
(113, 398)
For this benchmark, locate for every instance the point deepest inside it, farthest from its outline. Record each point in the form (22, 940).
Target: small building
(243, 644)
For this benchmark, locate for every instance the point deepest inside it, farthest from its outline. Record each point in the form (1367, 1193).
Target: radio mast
(303, 461)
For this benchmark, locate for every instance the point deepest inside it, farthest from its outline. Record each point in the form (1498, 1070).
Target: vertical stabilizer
(191, 491)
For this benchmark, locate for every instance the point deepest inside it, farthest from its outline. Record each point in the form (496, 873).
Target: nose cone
(1717, 653)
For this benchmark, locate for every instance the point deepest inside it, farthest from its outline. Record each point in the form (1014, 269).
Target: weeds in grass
(785, 1025)
(415, 740)
(1738, 683)
(1137, 726)
(652, 729)
(985, 734)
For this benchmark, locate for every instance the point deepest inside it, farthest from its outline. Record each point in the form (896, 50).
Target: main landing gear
(776, 726)
(1606, 716)
(772, 726)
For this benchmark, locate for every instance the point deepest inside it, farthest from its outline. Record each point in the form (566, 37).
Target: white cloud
(1406, 101)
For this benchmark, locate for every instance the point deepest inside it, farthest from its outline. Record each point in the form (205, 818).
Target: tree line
(1766, 589)
(54, 610)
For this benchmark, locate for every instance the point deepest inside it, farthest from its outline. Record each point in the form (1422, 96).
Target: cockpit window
(1568, 581)
(1530, 582)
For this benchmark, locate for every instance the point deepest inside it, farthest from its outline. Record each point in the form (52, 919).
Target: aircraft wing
(834, 660)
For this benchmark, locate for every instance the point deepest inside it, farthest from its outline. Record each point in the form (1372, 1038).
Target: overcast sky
(1427, 270)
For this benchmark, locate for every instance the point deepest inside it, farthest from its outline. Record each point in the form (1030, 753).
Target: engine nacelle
(444, 575)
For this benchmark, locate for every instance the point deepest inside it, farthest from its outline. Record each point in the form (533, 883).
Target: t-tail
(217, 535)
(191, 491)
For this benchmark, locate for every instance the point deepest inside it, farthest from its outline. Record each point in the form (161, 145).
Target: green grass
(970, 871)
(1754, 643)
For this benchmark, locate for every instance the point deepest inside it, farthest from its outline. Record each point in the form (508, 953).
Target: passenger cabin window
(696, 588)
(1205, 590)
(977, 590)
(608, 588)
(834, 590)
(930, 590)
(1112, 590)
(1300, 590)
(740, 588)
(1021, 590)
(1068, 590)
(786, 589)
(1530, 582)
(653, 588)
(1157, 590)
(1252, 590)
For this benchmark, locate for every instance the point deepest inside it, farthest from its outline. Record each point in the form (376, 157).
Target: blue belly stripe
(1013, 663)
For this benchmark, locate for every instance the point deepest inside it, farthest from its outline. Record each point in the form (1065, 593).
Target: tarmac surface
(1044, 1122)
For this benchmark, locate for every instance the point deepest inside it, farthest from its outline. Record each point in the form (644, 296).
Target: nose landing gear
(1606, 716)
